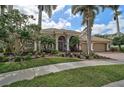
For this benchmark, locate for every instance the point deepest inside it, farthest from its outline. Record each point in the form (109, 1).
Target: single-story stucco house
(63, 36)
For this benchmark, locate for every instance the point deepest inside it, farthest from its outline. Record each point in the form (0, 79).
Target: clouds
(62, 23)
(59, 8)
(64, 19)
(50, 23)
(80, 29)
(46, 21)
(109, 28)
(68, 12)
(98, 28)
(29, 10)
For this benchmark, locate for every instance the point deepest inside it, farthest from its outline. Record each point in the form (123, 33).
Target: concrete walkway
(10, 77)
(115, 84)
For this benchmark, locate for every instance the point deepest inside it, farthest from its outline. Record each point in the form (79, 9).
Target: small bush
(85, 55)
(1, 58)
(94, 56)
(63, 55)
(54, 52)
(47, 51)
(71, 55)
(4, 59)
(122, 49)
(28, 57)
(43, 54)
(114, 49)
(1, 51)
(9, 54)
(18, 58)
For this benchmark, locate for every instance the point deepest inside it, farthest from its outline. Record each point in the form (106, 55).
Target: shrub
(43, 54)
(1, 51)
(114, 49)
(54, 52)
(30, 54)
(85, 55)
(18, 58)
(47, 51)
(1, 59)
(28, 57)
(4, 59)
(71, 55)
(63, 55)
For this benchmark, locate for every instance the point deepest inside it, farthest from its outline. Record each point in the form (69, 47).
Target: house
(63, 37)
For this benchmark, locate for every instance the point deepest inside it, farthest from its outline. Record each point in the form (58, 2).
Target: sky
(63, 19)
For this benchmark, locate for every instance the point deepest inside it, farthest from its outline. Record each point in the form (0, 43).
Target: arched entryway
(62, 43)
(74, 43)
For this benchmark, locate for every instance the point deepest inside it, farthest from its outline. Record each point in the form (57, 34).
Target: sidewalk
(10, 77)
(115, 84)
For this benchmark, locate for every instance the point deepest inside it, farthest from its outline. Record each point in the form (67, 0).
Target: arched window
(62, 43)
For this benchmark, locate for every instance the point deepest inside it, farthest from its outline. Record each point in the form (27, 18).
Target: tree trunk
(119, 47)
(40, 16)
(88, 35)
(2, 10)
(88, 38)
(117, 23)
(35, 45)
(40, 24)
(39, 46)
(10, 8)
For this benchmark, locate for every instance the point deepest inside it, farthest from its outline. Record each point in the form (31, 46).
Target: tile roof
(83, 33)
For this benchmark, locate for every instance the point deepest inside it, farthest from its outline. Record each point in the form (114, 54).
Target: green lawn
(81, 77)
(12, 66)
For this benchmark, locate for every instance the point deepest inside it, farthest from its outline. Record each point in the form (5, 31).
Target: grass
(81, 77)
(13, 66)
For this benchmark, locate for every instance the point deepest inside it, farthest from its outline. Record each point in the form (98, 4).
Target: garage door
(99, 47)
(84, 47)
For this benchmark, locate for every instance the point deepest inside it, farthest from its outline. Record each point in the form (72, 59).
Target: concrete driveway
(113, 55)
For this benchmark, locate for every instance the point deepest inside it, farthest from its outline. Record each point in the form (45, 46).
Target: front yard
(13, 66)
(81, 77)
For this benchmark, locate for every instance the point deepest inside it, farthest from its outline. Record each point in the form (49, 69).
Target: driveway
(113, 55)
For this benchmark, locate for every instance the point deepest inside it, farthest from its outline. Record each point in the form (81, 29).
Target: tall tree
(118, 40)
(88, 13)
(14, 31)
(10, 8)
(47, 9)
(116, 14)
(2, 9)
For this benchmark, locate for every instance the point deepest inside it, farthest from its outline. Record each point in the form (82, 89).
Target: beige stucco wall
(84, 47)
(98, 44)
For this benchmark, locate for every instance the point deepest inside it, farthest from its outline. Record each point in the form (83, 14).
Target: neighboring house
(63, 37)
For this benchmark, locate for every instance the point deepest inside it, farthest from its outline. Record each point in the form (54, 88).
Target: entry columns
(92, 47)
(108, 46)
(68, 49)
(57, 43)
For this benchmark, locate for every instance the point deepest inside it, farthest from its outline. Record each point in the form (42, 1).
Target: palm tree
(116, 14)
(10, 8)
(88, 13)
(2, 9)
(46, 8)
